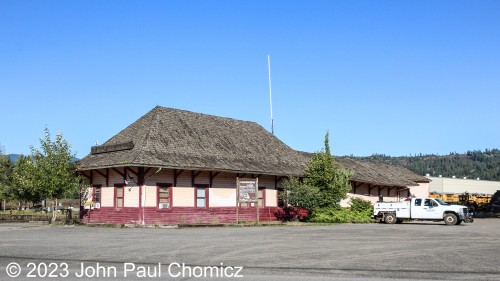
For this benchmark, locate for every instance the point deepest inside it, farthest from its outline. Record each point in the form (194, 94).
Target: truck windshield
(440, 201)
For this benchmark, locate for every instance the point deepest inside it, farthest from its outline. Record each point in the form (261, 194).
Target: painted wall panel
(422, 190)
(182, 197)
(271, 198)
(107, 196)
(222, 197)
(149, 194)
(131, 196)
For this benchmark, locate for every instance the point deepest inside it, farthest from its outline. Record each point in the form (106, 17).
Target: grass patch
(27, 215)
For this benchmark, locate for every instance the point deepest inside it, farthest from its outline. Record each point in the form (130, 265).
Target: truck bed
(401, 209)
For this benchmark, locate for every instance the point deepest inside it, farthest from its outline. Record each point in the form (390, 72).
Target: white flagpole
(270, 92)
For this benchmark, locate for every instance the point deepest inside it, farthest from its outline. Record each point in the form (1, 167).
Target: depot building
(173, 166)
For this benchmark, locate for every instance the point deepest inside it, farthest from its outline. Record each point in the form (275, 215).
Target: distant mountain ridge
(484, 165)
(13, 157)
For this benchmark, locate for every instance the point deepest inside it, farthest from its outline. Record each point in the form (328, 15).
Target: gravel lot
(410, 251)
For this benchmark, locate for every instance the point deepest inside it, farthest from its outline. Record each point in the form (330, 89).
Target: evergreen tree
(330, 177)
(325, 183)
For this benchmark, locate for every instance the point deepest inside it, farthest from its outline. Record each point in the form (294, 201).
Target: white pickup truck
(432, 209)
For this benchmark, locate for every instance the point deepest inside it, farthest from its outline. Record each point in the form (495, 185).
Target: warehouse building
(461, 185)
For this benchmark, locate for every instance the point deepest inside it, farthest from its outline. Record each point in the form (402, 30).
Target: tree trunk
(54, 211)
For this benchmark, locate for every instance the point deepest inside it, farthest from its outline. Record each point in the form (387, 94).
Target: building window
(201, 196)
(119, 196)
(96, 197)
(262, 196)
(164, 196)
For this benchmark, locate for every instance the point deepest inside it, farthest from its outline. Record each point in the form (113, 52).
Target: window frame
(169, 188)
(201, 186)
(263, 189)
(94, 192)
(115, 201)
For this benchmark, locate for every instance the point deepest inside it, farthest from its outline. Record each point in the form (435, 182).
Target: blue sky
(392, 77)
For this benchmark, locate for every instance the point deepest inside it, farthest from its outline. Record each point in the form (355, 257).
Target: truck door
(425, 209)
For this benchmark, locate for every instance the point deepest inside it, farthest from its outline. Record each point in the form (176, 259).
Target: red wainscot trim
(113, 216)
(190, 215)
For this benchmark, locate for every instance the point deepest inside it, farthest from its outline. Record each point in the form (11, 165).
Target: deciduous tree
(24, 188)
(6, 168)
(54, 170)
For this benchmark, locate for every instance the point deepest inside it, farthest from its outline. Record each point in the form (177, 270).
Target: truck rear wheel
(390, 218)
(450, 219)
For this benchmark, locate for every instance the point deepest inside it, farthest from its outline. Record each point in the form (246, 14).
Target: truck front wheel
(390, 218)
(450, 219)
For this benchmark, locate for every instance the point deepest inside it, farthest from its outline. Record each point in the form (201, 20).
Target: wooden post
(257, 211)
(141, 182)
(257, 195)
(237, 197)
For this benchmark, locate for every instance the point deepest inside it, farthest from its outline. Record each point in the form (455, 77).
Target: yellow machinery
(475, 199)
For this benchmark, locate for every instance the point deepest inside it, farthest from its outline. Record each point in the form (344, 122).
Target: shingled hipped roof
(376, 173)
(380, 173)
(179, 139)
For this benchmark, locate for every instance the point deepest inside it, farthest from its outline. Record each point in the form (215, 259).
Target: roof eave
(186, 168)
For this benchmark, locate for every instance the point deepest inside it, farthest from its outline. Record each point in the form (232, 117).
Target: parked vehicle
(432, 209)
(37, 208)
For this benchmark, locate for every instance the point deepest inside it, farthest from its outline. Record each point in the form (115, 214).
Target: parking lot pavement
(409, 251)
(15, 226)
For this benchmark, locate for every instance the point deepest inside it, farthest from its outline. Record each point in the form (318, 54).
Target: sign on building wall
(247, 190)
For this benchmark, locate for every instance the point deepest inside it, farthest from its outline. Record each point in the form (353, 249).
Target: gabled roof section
(180, 139)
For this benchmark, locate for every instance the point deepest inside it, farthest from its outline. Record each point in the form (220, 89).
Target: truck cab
(432, 209)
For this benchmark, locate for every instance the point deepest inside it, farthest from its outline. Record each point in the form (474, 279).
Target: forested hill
(473, 164)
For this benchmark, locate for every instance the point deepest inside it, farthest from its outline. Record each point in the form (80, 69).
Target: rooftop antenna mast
(270, 92)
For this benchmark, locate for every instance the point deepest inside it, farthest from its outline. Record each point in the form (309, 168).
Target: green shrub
(361, 211)
(361, 205)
